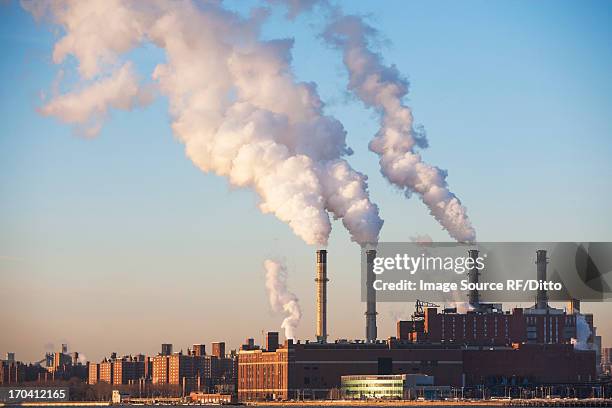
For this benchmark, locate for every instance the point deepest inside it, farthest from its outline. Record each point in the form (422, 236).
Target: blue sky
(516, 98)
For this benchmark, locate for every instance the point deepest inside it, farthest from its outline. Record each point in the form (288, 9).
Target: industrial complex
(439, 353)
(484, 350)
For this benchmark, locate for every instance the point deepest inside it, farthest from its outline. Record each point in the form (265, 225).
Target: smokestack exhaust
(474, 296)
(321, 281)
(370, 314)
(542, 296)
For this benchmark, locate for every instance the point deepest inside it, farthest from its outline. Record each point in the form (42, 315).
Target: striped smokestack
(542, 296)
(371, 298)
(474, 296)
(321, 280)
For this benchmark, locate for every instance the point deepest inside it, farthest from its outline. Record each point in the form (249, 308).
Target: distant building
(393, 386)
(271, 341)
(160, 373)
(199, 350)
(106, 371)
(12, 372)
(496, 328)
(216, 398)
(93, 374)
(128, 370)
(166, 349)
(218, 349)
(606, 360)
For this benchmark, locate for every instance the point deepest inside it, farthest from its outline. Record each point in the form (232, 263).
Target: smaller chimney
(473, 274)
(371, 330)
(321, 281)
(542, 296)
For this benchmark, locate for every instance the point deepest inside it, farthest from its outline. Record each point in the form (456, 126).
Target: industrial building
(484, 347)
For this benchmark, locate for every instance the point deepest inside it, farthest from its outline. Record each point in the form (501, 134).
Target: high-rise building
(606, 359)
(160, 370)
(93, 376)
(106, 371)
(127, 370)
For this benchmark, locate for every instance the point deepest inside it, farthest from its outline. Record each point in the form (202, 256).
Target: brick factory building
(496, 328)
(313, 370)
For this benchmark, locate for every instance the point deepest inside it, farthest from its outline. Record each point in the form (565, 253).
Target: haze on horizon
(119, 243)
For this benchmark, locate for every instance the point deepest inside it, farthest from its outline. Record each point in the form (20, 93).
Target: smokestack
(371, 298)
(541, 261)
(321, 280)
(474, 296)
(573, 306)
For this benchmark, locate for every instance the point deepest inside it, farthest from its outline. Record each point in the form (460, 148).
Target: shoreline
(381, 403)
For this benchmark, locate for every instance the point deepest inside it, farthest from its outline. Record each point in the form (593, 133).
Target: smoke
(383, 88)
(82, 359)
(422, 239)
(88, 107)
(583, 332)
(281, 299)
(234, 102)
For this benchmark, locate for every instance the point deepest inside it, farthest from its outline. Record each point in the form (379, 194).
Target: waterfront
(584, 403)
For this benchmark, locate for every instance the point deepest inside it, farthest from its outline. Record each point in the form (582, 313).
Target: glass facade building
(397, 386)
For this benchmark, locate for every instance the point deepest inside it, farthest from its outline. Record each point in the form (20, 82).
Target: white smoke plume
(234, 101)
(422, 239)
(82, 359)
(89, 106)
(281, 299)
(383, 88)
(583, 332)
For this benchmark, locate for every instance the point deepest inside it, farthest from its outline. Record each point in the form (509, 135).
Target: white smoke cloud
(383, 88)
(88, 107)
(583, 332)
(280, 298)
(234, 102)
(422, 239)
(82, 359)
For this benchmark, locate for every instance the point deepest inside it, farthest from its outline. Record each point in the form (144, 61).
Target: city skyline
(106, 242)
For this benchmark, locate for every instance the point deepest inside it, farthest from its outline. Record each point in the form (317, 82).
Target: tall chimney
(473, 274)
(542, 296)
(321, 280)
(370, 313)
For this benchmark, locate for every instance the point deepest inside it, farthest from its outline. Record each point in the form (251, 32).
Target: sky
(119, 243)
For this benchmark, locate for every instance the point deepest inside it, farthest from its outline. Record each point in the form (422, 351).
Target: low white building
(392, 386)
